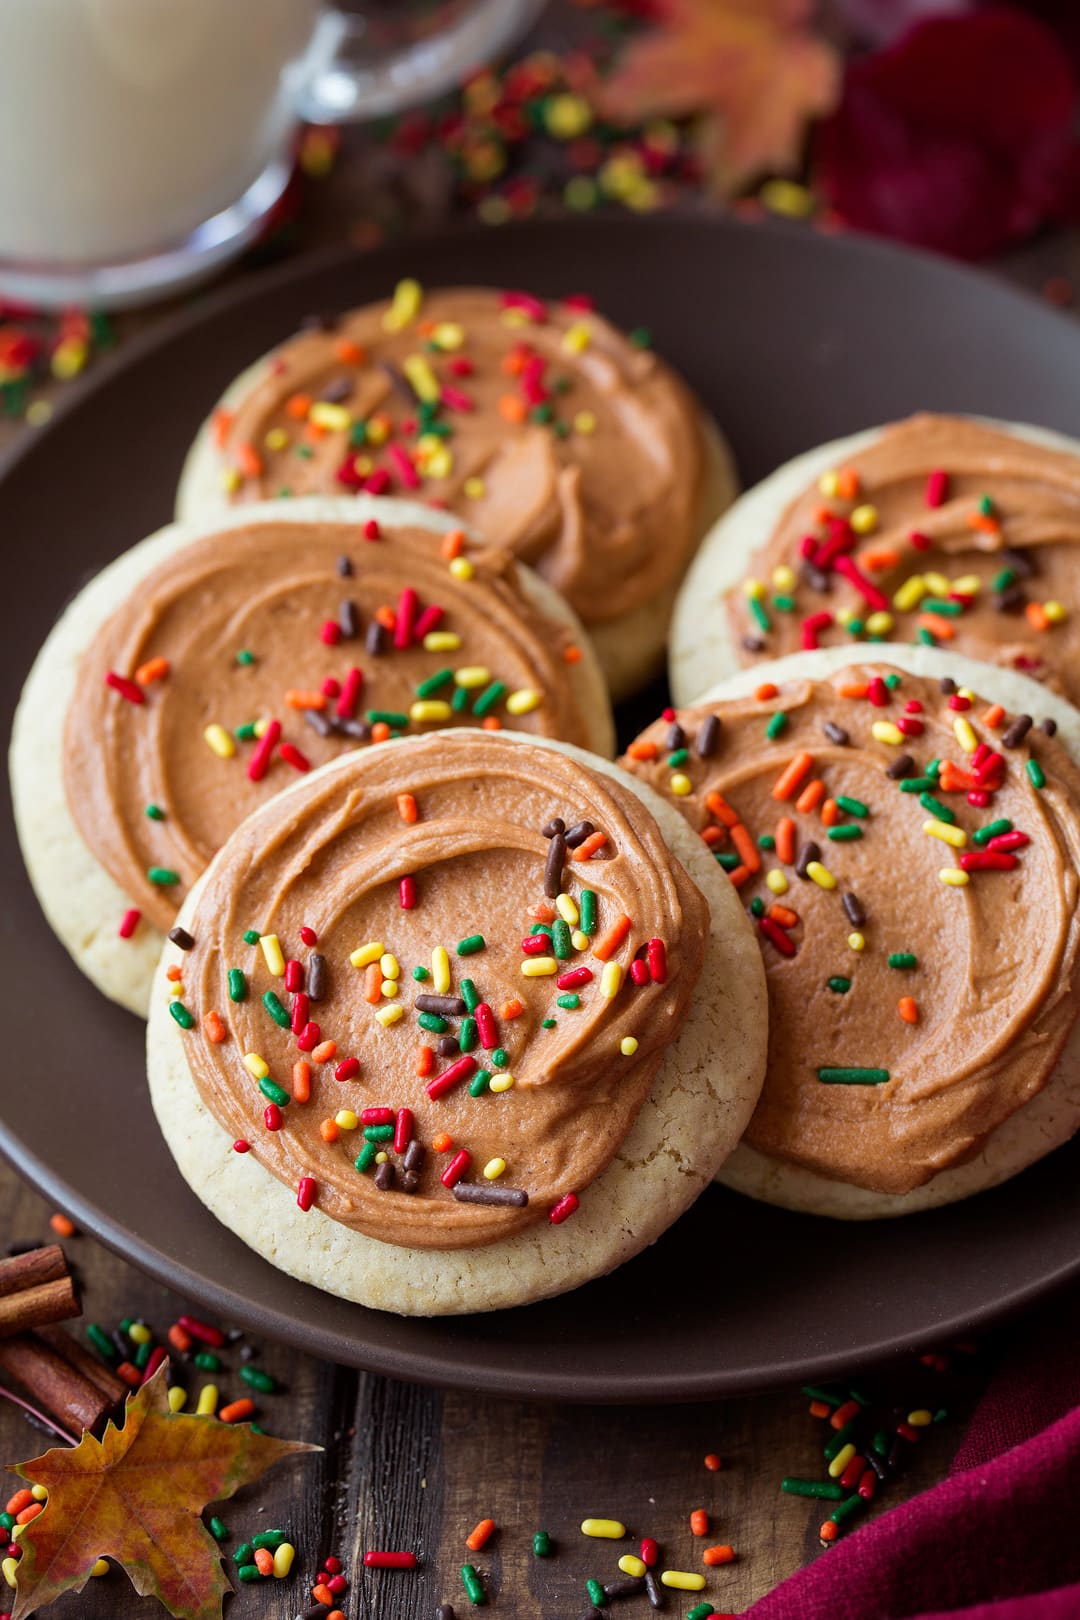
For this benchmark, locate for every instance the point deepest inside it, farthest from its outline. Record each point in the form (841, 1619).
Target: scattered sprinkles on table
(908, 854)
(941, 531)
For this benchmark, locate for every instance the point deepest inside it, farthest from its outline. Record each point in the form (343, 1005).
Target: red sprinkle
(330, 632)
(485, 1024)
(350, 694)
(272, 1117)
(429, 620)
(129, 922)
(865, 587)
(260, 759)
(403, 1129)
(371, 530)
(563, 1209)
(1006, 841)
(574, 978)
(308, 935)
(308, 1038)
(205, 1332)
(776, 936)
(292, 756)
(157, 1356)
(536, 944)
(988, 860)
(305, 1192)
(656, 956)
(376, 1116)
(462, 1069)
(127, 689)
(294, 976)
(650, 1552)
(347, 1069)
(639, 972)
(937, 487)
(300, 1008)
(390, 1560)
(408, 602)
(241, 1145)
(878, 692)
(407, 893)
(457, 1166)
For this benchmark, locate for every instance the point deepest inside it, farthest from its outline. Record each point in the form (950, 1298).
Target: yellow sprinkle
(844, 616)
(99, 1567)
(783, 578)
(684, 1580)
(176, 988)
(438, 464)
(494, 1169)
(856, 942)
(864, 519)
(884, 731)
(910, 593)
(841, 1460)
(271, 950)
(440, 970)
(956, 837)
(69, 358)
(424, 382)
(680, 784)
(879, 624)
(381, 1157)
(177, 1398)
(539, 967)
(920, 1419)
(448, 335)
(566, 116)
(938, 584)
(967, 585)
(346, 1120)
(138, 1333)
(820, 874)
(261, 725)
(404, 307)
(754, 589)
(389, 987)
(965, 691)
(566, 906)
(630, 1565)
(283, 1559)
(584, 422)
(38, 412)
(208, 1399)
(579, 941)
(576, 338)
(1055, 612)
(390, 1013)
(220, 741)
(829, 484)
(442, 641)
(276, 439)
(523, 701)
(462, 568)
(366, 954)
(628, 1045)
(376, 431)
(474, 488)
(430, 709)
(964, 734)
(10, 1567)
(788, 198)
(776, 881)
(611, 980)
(609, 1529)
(471, 675)
(954, 876)
(501, 1083)
(40, 1492)
(256, 1065)
(326, 415)
(230, 480)
(389, 966)
(512, 317)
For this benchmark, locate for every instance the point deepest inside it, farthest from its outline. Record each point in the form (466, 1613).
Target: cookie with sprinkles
(950, 532)
(904, 834)
(456, 1029)
(545, 428)
(211, 665)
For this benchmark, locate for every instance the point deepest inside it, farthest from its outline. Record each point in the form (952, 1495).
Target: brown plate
(792, 339)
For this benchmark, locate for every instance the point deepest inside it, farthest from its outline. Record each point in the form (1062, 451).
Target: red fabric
(996, 1540)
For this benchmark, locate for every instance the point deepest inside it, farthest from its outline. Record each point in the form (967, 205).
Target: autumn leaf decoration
(135, 1496)
(752, 70)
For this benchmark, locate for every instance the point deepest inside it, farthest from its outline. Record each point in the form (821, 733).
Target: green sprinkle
(472, 1584)
(499, 1057)
(237, 985)
(183, 1017)
(893, 681)
(882, 1442)
(560, 939)
(243, 1553)
(596, 1594)
(366, 1157)
(6, 1521)
(460, 700)
(679, 757)
(986, 505)
(547, 1023)
(541, 413)
(470, 995)
(1003, 580)
(541, 1544)
(853, 1077)
(934, 769)
(155, 812)
(432, 1022)
(728, 859)
(273, 1092)
(757, 906)
(163, 876)
(847, 1510)
(357, 433)
(759, 615)
(219, 1530)
(101, 1341)
(935, 808)
(903, 959)
(785, 604)
(569, 1003)
(841, 986)
(275, 1009)
(641, 337)
(266, 1384)
(1036, 774)
(378, 1133)
(855, 628)
(249, 1573)
(815, 1392)
(853, 807)
(270, 1539)
(844, 835)
(245, 657)
(434, 683)
(421, 975)
(386, 717)
(479, 1082)
(993, 829)
(829, 1490)
(206, 1361)
(935, 604)
(467, 1035)
(256, 1428)
(246, 732)
(588, 911)
(776, 725)
(252, 936)
(488, 698)
(766, 841)
(917, 784)
(925, 638)
(471, 944)
(304, 451)
(142, 1354)
(541, 928)
(698, 1612)
(561, 430)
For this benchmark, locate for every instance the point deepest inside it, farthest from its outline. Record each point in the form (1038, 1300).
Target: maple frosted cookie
(456, 1030)
(905, 835)
(946, 531)
(546, 429)
(204, 670)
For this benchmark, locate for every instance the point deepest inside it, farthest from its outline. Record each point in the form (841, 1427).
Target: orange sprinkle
(541, 912)
(425, 1061)
(713, 836)
(875, 561)
(513, 364)
(785, 840)
(329, 1130)
(784, 916)
(589, 846)
(819, 1409)
(766, 691)
(642, 750)
(213, 1027)
(297, 406)
(718, 1555)
(222, 423)
(828, 1531)
(511, 1010)
(441, 1142)
(983, 521)
(350, 353)
(249, 460)
(747, 849)
(908, 1009)
(29, 1513)
(481, 1535)
(830, 813)
(386, 617)
(852, 689)
(297, 698)
(847, 483)
(572, 654)
(373, 984)
(155, 669)
(179, 1338)
(954, 780)
(238, 1412)
(324, 1052)
(406, 808)
(313, 432)
(453, 544)
(611, 939)
(822, 514)
(320, 1591)
(512, 409)
(491, 722)
(718, 806)
(301, 1081)
(16, 1503)
(380, 731)
(62, 1225)
(937, 626)
(264, 1558)
(174, 972)
(810, 797)
(713, 1463)
(792, 776)
(699, 1522)
(993, 716)
(1035, 614)
(336, 1614)
(739, 876)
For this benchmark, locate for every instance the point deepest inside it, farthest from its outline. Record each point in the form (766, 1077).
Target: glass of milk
(143, 143)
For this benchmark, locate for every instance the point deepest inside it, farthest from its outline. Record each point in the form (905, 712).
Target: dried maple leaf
(753, 68)
(135, 1496)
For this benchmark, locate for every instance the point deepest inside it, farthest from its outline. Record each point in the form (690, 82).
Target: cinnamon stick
(30, 1270)
(77, 1356)
(52, 1382)
(54, 1301)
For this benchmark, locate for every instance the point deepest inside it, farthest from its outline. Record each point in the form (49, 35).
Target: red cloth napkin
(999, 1539)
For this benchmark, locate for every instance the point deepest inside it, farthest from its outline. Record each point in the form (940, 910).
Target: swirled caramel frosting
(941, 531)
(430, 987)
(909, 855)
(550, 432)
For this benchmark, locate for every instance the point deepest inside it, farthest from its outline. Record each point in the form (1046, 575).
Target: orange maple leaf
(753, 69)
(135, 1496)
